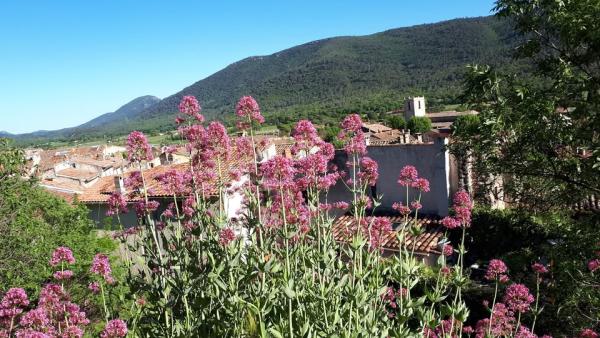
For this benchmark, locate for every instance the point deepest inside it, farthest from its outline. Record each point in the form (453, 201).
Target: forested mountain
(326, 77)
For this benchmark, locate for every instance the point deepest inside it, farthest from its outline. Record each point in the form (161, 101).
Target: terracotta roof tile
(425, 243)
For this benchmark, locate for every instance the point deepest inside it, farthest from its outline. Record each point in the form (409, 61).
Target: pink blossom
(352, 123)
(368, 172)
(101, 266)
(401, 208)
(190, 106)
(408, 176)
(35, 319)
(60, 255)
(525, 333)
(72, 332)
(63, 275)
(448, 250)
(142, 208)
(502, 324)
(450, 222)
(138, 148)
(247, 107)
(115, 328)
(416, 205)
(226, 236)
(588, 333)
(173, 181)
(94, 287)
(28, 333)
(376, 229)
(421, 184)
(445, 271)
(593, 265)
(518, 298)
(341, 205)
(12, 303)
(539, 268)
(496, 268)
(356, 145)
(278, 171)
(116, 204)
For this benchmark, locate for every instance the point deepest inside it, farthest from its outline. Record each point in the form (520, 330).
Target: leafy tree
(541, 131)
(419, 124)
(397, 122)
(33, 223)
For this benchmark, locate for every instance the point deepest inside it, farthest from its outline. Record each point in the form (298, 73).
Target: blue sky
(65, 62)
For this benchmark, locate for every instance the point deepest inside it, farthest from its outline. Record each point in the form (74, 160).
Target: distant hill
(366, 73)
(103, 122)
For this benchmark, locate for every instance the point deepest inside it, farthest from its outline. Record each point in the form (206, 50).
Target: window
(419, 104)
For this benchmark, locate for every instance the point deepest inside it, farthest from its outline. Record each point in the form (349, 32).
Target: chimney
(419, 137)
(120, 185)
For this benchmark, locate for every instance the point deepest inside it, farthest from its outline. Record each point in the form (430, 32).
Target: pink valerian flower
(138, 148)
(218, 142)
(502, 324)
(496, 269)
(447, 250)
(134, 181)
(368, 171)
(352, 123)
(450, 222)
(416, 205)
(408, 176)
(142, 208)
(226, 236)
(94, 287)
(518, 298)
(248, 108)
(421, 184)
(593, 265)
(115, 328)
(63, 275)
(462, 207)
(101, 267)
(588, 333)
(117, 204)
(190, 106)
(62, 254)
(445, 271)
(539, 268)
(173, 181)
(341, 205)
(376, 230)
(29, 333)
(35, 319)
(356, 145)
(243, 147)
(13, 302)
(72, 332)
(401, 208)
(305, 138)
(51, 295)
(278, 171)
(524, 332)
(390, 298)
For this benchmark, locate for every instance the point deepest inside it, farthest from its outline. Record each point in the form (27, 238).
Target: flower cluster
(62, 255)
(462, 211)
(101, 266)
(115, 328)
(226, 236)
(518, 298)
(117, 204)
(496, 271)
(138, 148)
(248, 108)
(190, 107)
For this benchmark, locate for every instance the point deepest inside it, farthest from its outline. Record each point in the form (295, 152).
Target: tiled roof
(375, 127)
(101, 191)
(77, 173)
(426, 243)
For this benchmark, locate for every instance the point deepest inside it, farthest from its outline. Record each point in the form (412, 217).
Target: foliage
(396, 122)
(564, 243)
(541, 131)
(419, 124)
(34, 222)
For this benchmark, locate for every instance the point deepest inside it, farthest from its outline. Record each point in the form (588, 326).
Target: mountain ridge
(366, 73)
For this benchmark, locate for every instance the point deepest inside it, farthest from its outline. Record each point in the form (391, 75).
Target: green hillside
(325, 78)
